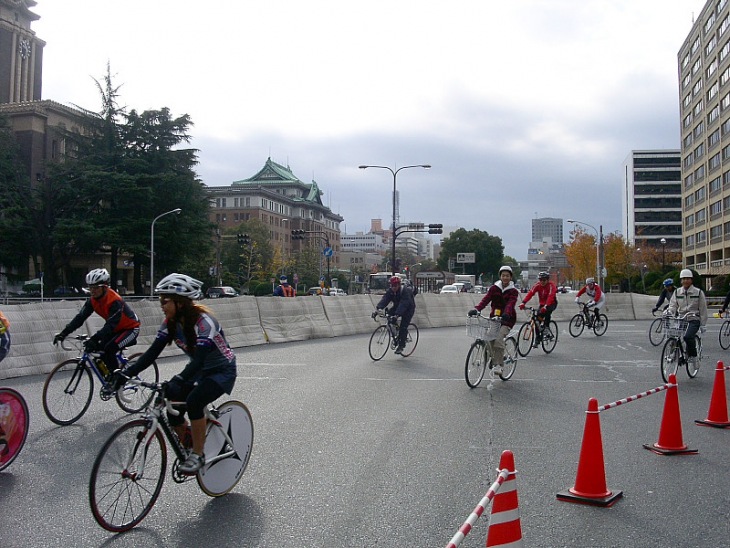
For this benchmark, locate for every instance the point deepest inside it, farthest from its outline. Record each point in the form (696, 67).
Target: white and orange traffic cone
(504, 521)
(670, 433)
(717, 415)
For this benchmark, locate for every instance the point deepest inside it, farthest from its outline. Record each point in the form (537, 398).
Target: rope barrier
(479, 510)
(634, 398)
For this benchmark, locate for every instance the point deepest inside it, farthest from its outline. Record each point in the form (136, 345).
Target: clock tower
(21, 53)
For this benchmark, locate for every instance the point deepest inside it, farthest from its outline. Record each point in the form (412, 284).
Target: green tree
(488, 251)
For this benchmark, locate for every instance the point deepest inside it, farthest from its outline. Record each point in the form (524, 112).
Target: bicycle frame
(86, 359)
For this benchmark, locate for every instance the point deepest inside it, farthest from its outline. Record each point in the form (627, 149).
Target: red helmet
(395, 280)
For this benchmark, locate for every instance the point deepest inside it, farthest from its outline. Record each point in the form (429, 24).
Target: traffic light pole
(300, 234)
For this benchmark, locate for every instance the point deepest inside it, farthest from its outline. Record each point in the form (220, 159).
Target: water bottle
(101, 366)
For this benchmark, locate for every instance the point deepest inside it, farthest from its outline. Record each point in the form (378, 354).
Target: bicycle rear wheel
(576, 325)
(127, 476)
(67, 392)
(132, 398)
(217, 478)
(656, 332)
(525, 339)
(411, 340)
(379, 343)
(14, 423)
(549, 337)
(724, 335)
(600, 325)
(510, 358)
(670, 358)
(694, 368)
(477, 360)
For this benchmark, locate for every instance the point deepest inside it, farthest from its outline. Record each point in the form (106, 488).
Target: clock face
(24, 48)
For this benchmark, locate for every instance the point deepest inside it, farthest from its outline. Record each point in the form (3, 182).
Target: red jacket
(547, 294)
(503, 300)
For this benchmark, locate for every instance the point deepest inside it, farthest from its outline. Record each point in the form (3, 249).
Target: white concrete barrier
(294, 319)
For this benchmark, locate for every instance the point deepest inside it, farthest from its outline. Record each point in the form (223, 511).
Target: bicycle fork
(136, 462)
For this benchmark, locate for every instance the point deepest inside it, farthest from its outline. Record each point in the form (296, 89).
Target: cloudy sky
(524, 108)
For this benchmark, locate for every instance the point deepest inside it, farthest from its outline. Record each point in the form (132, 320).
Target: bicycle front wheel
(694, 368)
(379, 343)
(525, 339)
(600, 325)
(576, 325)
(656, 332)
(218, 477)
(549, 337)
(411, 340)
(132, 398)
(14, 423)
(476, 363)
(510, 358)
(670, 358)
(724, 335)
(127, 476)
(67, 392)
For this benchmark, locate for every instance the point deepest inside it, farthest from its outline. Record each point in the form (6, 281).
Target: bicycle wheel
(670, 358)
(549, 337)
(694, 368)
(476, 363)
(132, 398)
(218, 477)
(14, 422)
(600, 325)
(724, 335)
(127, 476)
(510, 358)
(576, 325)
(379, 343)
(411, 340)
(656, 332)
(525, 338)
(67, 392)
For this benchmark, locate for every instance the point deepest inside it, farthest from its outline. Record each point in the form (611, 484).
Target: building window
(715, 232)
(690, 240)
(710, 46)
(689, 221)
(714, 89)
(714, 138)
(713, 115)
(700, 216)
(701, 237)
(715, 185)
(696, 88)
(695, 45)
(724, 51)
(712, 68)
(687, 120)
(710, 21)
(714, 162)
(715, 208)
(699, 129)
(688, 140)
(689, 201)
(699, 151)
(698, 108)
(699, 173)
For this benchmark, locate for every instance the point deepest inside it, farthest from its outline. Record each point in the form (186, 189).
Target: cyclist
(121, 327)
(547, 297)
(404, 305)
(689, 301)
(503, 296)
(4, 336)
(598, 297)
(666, 294)
(725, 304)
(210, 372)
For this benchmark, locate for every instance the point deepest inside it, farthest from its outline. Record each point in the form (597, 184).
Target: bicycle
(14, 423)
(584, 318)
(656, 330)
(386, 336)
(128, 473)
(479, 358)
(674, 353)
(534, 332)
(724, 335)
(69, 387)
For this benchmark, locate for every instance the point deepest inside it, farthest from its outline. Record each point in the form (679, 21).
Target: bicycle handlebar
(158, 388)
(81, 338)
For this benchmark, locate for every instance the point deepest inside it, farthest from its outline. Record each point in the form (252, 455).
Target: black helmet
(543, 276)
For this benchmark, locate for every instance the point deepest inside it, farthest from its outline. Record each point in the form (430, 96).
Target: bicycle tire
(670, 358)
(218, 478)
(476, 363)
(120, 493)
(411, 340)
(132, 398)
(600, 325)
(693, 369)
(577, 324)
(656, 332)
(724, 335)
(14, 424)
(67, 392)
(549, 337)
(525, 338)
(510, 358)
(379, 343)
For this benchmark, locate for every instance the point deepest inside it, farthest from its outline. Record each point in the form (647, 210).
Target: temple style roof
(276, 175)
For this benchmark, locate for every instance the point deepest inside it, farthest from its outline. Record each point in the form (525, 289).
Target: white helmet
(505, 267)
(686, 273)
(180, 284)
(590, 281)
(98, 276)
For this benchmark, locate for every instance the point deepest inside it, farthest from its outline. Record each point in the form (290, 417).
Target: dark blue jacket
(403, 302)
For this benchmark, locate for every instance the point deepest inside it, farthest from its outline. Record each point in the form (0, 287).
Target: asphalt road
(353, 453)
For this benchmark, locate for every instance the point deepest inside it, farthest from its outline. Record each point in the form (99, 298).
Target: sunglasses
(164, 300)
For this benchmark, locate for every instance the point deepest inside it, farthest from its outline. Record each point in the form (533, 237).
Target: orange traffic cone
(590, 481)
(670, 433)
(717, 415)
(504, 521)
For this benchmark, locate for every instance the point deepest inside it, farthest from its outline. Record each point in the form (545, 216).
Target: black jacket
(403, 302)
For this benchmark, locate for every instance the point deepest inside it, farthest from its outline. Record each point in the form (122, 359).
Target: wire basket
(675, 327)
(485, 329)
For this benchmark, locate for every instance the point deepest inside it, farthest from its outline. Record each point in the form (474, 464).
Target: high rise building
(547, 227)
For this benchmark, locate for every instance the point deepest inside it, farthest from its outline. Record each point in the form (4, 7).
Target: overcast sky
(524, 108)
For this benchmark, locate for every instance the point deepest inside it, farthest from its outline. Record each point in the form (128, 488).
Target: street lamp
(409, 269)
(395, 175)
(177, 211)
(663, 241)
(598, 249)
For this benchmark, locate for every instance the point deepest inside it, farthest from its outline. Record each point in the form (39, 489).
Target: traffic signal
(298, 234)
(244, 239)
(435, 228)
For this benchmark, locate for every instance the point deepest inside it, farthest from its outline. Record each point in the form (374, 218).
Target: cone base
(605, 502)
(715, 424)
(654, 448)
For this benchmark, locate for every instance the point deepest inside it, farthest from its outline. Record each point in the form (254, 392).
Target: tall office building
(652, 199)
(704, 95)
(547, 227)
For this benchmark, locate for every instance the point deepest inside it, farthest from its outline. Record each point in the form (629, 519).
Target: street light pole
(177, 211)
(598, 249)
(663, 241)
(395, 176)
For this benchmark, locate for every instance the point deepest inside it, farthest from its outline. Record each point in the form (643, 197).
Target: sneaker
(497, 370)
(399, 350)
(192, 464)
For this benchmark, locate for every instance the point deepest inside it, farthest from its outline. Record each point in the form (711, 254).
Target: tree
(581, 253)
(488, 251)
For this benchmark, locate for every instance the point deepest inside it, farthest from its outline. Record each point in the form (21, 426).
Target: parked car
(449, 289)
(221, 292)
(316, 290)
(337, 292)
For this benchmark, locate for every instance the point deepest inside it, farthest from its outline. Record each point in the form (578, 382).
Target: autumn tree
(581, 253)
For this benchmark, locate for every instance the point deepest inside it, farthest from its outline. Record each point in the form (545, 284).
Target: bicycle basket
(485, 329)
(675, 327)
